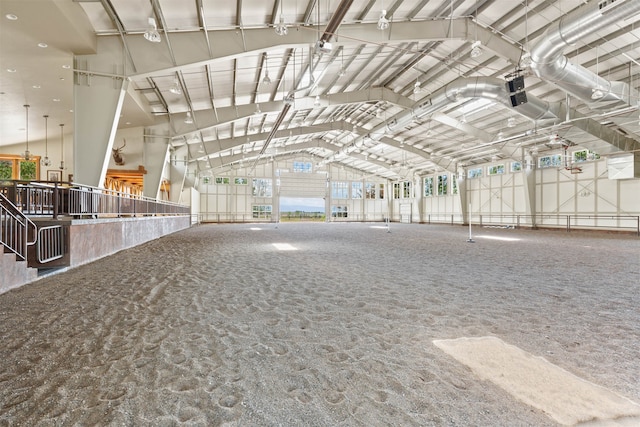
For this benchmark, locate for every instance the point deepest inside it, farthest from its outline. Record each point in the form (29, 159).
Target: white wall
(497, 198)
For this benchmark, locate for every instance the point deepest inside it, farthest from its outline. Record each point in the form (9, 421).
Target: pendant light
(62, 146)
(27, 154)
(46, 161)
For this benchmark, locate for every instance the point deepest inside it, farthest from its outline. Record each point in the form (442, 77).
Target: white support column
(156, 156)
(419, 198)
(98, 101)
(178, 172)
(327, 197)
(529, 185)
(463, 197)
(275, 179)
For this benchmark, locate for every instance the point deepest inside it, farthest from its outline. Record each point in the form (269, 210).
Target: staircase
(14, 241)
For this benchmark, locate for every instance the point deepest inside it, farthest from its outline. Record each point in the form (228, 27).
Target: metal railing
(50, 244)
(14, 229)
(45, 198)
(568, 222)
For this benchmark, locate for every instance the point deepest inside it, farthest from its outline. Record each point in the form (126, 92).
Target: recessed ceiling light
(42, 45)
(66, 66)
(56, 99)
(11, 17)
(36, 86)
(11, 70)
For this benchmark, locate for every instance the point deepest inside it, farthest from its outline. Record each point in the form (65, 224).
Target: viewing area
(46, 226)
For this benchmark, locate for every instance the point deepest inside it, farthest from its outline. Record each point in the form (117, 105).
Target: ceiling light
(383, 22)
(511, 122)
(188, 120)
(11, 70)
(62, 146)
(342, 72)
(476, 50)
(266, 80)
(258, 111)
(152, 32)
(43, 45)
(525, 60)
(46, 161)
(596, 93)
(416, 87)
(317, 101)
(175, 89)
(66, 67)
(27, 154)
(281, 29)
(11, 17)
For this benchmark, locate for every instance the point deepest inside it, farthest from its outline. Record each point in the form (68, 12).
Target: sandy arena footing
(319, 325)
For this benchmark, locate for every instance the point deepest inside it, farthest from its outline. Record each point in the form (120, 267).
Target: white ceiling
(221, 71)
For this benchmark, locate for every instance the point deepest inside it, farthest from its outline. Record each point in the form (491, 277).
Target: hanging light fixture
(152, 34)
(27, 154)
(266, 80)
(317, 101)
(342, 71)
(416, 87)
(46, 161)
(383, 22)
(281, 29)
(62, 146)
(175, 88)
(476, 49)
(188, 120)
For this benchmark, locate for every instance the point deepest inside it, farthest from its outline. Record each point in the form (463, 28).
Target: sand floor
(217, 326)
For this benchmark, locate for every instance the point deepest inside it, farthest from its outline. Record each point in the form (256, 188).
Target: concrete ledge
(96, 238)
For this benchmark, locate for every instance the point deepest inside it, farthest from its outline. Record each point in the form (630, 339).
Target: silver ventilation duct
(472, 87)
(549, 63)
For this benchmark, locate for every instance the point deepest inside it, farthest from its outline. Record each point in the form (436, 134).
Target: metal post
(55, 200)
(470, 239)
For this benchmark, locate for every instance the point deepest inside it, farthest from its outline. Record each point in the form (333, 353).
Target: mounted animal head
(117, 154)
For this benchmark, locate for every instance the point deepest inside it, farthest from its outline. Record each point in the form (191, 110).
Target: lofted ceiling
(411, 98)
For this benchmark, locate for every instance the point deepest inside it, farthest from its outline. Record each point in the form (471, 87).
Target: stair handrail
(23, 222)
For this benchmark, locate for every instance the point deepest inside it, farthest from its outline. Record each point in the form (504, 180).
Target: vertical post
(470, 239)
(55, 200)
(568, 223)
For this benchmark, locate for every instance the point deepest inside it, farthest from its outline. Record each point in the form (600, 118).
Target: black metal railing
(45, 198)
(14, 229)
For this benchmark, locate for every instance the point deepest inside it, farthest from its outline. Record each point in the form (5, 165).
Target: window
(454, 183)
(584, 155)
(303, 167)
(516, 166)
(474, 173)
(442, 185)
(338, 211)
(550, 161)
(396, 190)
(206, 180)
(428, 186)
(495, 170)
(222, 180)
(339, 190)
(262, 187)
(381, 191)
(356, 190)
(369, 190)
(240, 181)
(580, 156)
(261, 211)
(15, 167)
(406, 190)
